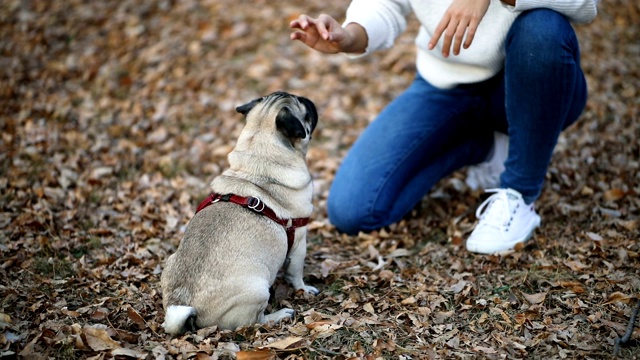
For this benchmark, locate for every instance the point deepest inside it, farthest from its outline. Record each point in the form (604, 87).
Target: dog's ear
(244, 109)
(312, 113)
(289, 125)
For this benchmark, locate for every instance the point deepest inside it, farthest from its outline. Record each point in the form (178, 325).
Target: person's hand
(326, 35)
(462, 16)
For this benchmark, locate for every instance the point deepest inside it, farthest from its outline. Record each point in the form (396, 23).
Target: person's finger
(449, 32)
(471, 32)
(304, 22)
(321, 27)
(459, 35)
(298, 35)
(442, 25)
(297, 23)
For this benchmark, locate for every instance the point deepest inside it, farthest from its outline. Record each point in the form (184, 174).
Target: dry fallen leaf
(136, 318)
(129, 353)
(369, 308)
(535, 298)
(576, 265)
(614, 194)
(617, 297)
(256, 355)
(99, 339)
(485, 350)
(409, 301)
(328, 266)
(282, 344)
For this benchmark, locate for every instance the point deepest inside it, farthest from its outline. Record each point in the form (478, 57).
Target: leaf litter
(115, 115)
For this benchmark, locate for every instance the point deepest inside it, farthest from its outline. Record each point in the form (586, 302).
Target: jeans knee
(344, 217)
(543, 30)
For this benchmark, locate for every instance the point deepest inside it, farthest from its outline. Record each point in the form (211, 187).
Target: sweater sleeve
(579, 11)
(383, 20)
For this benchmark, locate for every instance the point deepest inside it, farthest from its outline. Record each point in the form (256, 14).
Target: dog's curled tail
(179, 319)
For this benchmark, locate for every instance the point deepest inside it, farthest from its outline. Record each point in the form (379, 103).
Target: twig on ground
(327, 351)
(627, 334)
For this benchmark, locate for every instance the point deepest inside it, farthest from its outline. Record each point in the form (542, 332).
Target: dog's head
(293, 117)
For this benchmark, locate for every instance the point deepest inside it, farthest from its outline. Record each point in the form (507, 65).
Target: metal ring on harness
(255, 204)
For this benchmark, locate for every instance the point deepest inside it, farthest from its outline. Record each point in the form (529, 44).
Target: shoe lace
(495, 211)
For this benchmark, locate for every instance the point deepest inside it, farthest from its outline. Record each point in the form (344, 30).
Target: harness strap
(258, 206)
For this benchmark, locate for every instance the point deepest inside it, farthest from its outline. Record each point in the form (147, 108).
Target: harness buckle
(217, 198)
(255, 204)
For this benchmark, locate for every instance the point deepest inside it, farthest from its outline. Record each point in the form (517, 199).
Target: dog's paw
(310, 290)
(279, 315)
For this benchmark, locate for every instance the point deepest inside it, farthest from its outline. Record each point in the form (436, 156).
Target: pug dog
(251, 225)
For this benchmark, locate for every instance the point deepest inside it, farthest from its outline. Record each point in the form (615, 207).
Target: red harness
(255, 204)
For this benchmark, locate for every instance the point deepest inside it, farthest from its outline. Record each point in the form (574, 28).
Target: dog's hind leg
(248, 306)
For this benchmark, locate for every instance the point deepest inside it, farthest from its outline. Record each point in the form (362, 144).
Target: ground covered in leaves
(115, 115)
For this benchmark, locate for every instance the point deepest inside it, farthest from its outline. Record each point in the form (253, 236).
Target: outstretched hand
(462, 17)
(326, 35)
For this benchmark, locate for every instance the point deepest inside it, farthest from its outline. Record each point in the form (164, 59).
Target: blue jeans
(427, 133)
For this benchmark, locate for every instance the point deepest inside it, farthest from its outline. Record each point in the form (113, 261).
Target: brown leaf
(458, 287)
(30, 351)
(255, 355)
(70, 313)
(617, 297)
(100, 232)
(130, 353)
(576, 265)
(284, 343)
(519, 246)
(99, 315)
(5, 318)
(203, 356)
(381, 345)
(99, 339)
(136, 318)
(409, 301)
(484, 349)
(614, 194)
(369, 308)
(327, 266)
(535, 298)
(454, 342)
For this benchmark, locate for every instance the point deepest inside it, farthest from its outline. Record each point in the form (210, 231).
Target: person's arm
(370, 25)
(580, 11)
(382, 20)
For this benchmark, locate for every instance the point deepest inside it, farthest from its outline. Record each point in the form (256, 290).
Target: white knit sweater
(385, 20)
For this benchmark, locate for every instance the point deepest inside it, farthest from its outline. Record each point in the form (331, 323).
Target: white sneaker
(486, 175)
(504, 221)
